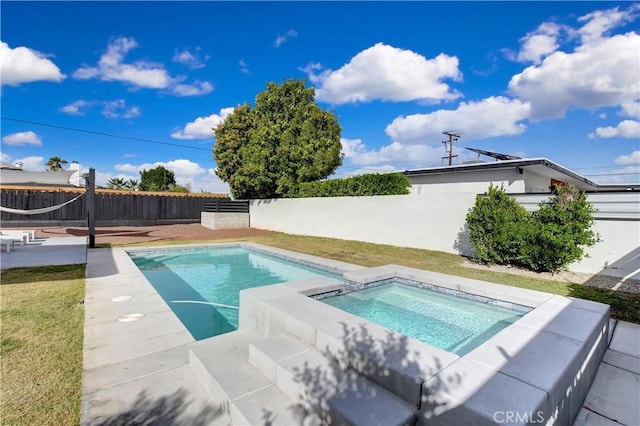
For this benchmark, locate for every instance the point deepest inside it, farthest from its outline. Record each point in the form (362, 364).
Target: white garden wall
(436, 222)
(429, 222)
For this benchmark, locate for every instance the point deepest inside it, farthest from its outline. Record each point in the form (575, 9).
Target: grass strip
(624, 306)
(42, 320)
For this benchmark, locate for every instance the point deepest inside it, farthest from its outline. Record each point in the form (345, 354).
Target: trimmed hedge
(356, 186)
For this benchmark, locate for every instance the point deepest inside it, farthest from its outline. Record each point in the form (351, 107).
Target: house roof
(541, 166)
(19, 176)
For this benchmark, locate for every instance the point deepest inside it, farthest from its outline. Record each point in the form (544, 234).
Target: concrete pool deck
(141, 369)
(46, 252)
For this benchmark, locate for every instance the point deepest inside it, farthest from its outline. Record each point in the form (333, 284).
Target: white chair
(9, 244)
(26, 235)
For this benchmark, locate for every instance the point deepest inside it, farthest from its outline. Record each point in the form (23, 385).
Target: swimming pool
(451, 322)
(202, 285)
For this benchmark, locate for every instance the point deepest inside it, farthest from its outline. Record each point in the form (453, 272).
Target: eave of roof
(514, 164)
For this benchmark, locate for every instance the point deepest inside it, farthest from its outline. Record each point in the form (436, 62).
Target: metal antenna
(453, 137)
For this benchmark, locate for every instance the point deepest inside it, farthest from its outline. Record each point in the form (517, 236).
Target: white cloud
(33, 163)
(22, 139)
(118, 109)
(540, 43)
(352, 147)
(630, 109)
(186, 172)
(601, 21)
(387, 73)
(244, 66)
(594, 75)
(139, 74)
(111, 67)
(5, 158)
(629, 160)
(629, 174)
(625, 129)
(24, 65)
(189, 59)
(281, 39)
(201, 127)
(384, 168)
(396, 152)
(181, 168)
(76, 108)
(491, 117)
(211, 183)
(110, 109)
(198, 88)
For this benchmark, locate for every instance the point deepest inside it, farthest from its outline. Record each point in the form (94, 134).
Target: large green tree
(157, 179)
(267, 150)
(56, 164)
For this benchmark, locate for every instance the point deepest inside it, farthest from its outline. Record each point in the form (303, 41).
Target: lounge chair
(9, 244)
(27, 234)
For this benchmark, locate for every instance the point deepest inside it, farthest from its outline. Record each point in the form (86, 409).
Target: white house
(15, 175)
(433, 216)
(517, 176)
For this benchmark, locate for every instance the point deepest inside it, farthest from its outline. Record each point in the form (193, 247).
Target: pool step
(247, 396)
(319, 385)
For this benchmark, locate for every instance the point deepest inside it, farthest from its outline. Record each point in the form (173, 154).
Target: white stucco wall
(534, 182)
(618, 252)
(428, 222)
(435, 222)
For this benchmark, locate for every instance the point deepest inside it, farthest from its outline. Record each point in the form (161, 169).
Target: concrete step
(319, 386)
(265, 354)
(222, 366)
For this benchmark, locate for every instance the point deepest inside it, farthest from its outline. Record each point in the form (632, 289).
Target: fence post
(91, 206)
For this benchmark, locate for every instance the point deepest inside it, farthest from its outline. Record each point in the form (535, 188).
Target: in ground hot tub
(450, 320)
(535, 363)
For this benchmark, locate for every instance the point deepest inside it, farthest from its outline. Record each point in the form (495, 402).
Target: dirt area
(156, 234)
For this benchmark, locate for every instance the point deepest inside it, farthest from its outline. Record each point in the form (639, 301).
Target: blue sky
(535, 79)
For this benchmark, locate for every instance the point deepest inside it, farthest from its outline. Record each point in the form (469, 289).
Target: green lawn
(42, 318)
(624, 306)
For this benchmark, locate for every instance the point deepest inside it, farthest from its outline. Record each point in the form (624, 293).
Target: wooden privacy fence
(115, 208)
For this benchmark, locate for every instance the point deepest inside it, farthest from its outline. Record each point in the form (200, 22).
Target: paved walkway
(46, 252)
(615, 392)
(136, 352)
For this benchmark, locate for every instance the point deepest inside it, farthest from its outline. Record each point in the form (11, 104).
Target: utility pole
(448, 144)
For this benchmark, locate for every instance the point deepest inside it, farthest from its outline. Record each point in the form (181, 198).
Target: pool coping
(507, 370)
(556, 321)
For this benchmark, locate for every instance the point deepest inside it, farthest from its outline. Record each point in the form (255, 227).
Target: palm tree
(116, 183)
(55, 164)
(131, 184)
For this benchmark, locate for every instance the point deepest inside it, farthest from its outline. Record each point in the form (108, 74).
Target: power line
(111, 135)
(614, 174)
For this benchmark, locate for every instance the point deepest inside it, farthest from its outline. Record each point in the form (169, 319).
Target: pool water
(202, 285)
(452, 323)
